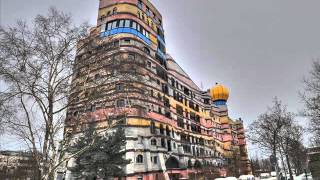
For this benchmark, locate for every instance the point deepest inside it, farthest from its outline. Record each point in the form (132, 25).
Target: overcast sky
(258, 49)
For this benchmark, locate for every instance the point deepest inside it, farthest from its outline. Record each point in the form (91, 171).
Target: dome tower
(219, 94)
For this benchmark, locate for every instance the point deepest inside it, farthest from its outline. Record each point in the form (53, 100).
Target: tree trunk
(276, 161)
(289, 167)
(283, 164)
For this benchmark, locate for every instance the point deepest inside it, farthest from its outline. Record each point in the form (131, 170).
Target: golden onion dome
(219, 92)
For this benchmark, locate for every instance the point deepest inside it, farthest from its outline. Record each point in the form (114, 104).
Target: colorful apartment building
(173, 128)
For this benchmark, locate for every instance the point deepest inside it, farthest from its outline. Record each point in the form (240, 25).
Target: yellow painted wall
(174, 103)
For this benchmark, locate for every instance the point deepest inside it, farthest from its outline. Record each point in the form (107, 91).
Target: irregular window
(153, 142)
(121, 103)
(119, 87)
(114, 11)
(139, 159)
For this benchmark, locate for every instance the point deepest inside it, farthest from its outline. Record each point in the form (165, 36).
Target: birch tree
(311, 99)
(266, 130)
(35, 70)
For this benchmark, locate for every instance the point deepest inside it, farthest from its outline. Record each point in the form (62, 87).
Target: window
(103, 27)
(127, 41)
(192, 116)
(191, 104)
(121, 103)
(153, 142)
(149, 64)
(168, 132)
(172, 82)
(147, 11)
(134, 25)
(144, 32)
(139, 16)
(139, 159)
(161, 129)
(116, 43)
(151, 92)
(97, 77)
(140, 4)
(121, 24)
(114, 24)
(131, 57)
(93, 108)
(155, 160)
(138, 27)
(163, 143)
(146, 50)
(152, 128)
(179, 110)
(127, 23)
(140, 178)
(119, 87)
(180, 122)
(109, 26)
(114, 11)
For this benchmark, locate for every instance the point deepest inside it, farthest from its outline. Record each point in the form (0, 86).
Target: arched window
(172, 163)
(114, 11)
(139, 159)
(146, 50)
(97, 76)
(153, 142)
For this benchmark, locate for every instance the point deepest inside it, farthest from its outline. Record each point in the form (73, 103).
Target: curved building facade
(174, 129)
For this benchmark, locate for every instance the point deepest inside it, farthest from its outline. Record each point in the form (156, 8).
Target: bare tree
(266, 130)
(298, 154)
(311, 99)
(290, 135)
(36, 69)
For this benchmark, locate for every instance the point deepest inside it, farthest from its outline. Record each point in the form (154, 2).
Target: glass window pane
(114, 24)
(109, 26)
(134, 25)
(127, 23)
(138, 27)
(121, 24)
(103, 27)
